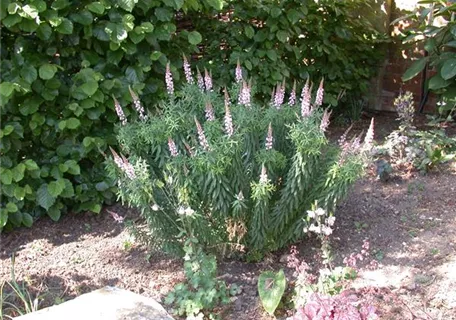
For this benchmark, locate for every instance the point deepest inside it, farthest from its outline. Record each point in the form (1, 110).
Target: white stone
(109, 303)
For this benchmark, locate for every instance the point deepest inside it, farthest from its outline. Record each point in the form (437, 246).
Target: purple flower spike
(305, 100)
(137, 104)
(244, 94)
(207, 80)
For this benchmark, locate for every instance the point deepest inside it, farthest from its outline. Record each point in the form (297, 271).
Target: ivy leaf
(271, 287)
(47, 71)
(414, 69)
(128, 5)
(66, 27)
(44, 198)
(96, 7)
(194, 37)
(448, 70)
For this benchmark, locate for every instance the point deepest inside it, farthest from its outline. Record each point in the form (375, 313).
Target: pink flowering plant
(233, 162)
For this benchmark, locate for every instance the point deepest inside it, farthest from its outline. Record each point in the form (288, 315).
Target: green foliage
(201, 292)
(439, 40)
(16, 298)
(292, 39)
(422, 149)
(249, 187)
(271, 287)
(61, 61)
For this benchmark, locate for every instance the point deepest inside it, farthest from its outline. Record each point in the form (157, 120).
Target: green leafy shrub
(201, 292)
(248, 172)
(61, 61)
(292, 39)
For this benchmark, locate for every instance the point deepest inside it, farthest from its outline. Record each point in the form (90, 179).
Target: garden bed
(410, 222)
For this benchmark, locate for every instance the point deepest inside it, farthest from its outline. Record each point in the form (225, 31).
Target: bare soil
(410, 222)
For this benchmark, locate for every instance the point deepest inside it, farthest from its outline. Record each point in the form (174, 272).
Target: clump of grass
(16, 298)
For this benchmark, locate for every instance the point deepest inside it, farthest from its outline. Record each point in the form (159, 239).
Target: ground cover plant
(245, 172)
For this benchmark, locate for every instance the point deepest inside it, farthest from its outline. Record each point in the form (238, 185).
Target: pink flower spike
(169, 80)
(292, 98)
(325, 120)
(128, 168)
(369, 139)
(188, 71)
(137, 104)
(207, 80)
(228, 121)
(269, 138)
(238, 72)
(273, 95)
(117, 159)
(200, 79)
(279, 95)
(244, 94)
(227, 97)
(201, 136)
(263, 175)
(172, 147)
(119, 111)
(305, 100)
(209, 111)
(319, 96)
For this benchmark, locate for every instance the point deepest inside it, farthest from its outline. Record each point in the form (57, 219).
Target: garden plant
(244, 172)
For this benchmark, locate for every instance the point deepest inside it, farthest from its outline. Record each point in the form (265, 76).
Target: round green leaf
(11, 207)
(55, 188)
(47, 71)
(66, 27)
(249, 32)
(154, 56)
(448, 70)
(194, 37)
(29, 73)
(282, 35)
(96, 7)
(6, 177)
(89, 87)
(72, 123)
(6, 88)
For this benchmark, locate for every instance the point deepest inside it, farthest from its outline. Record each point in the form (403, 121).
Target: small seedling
(360, 226)
(435, 251)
